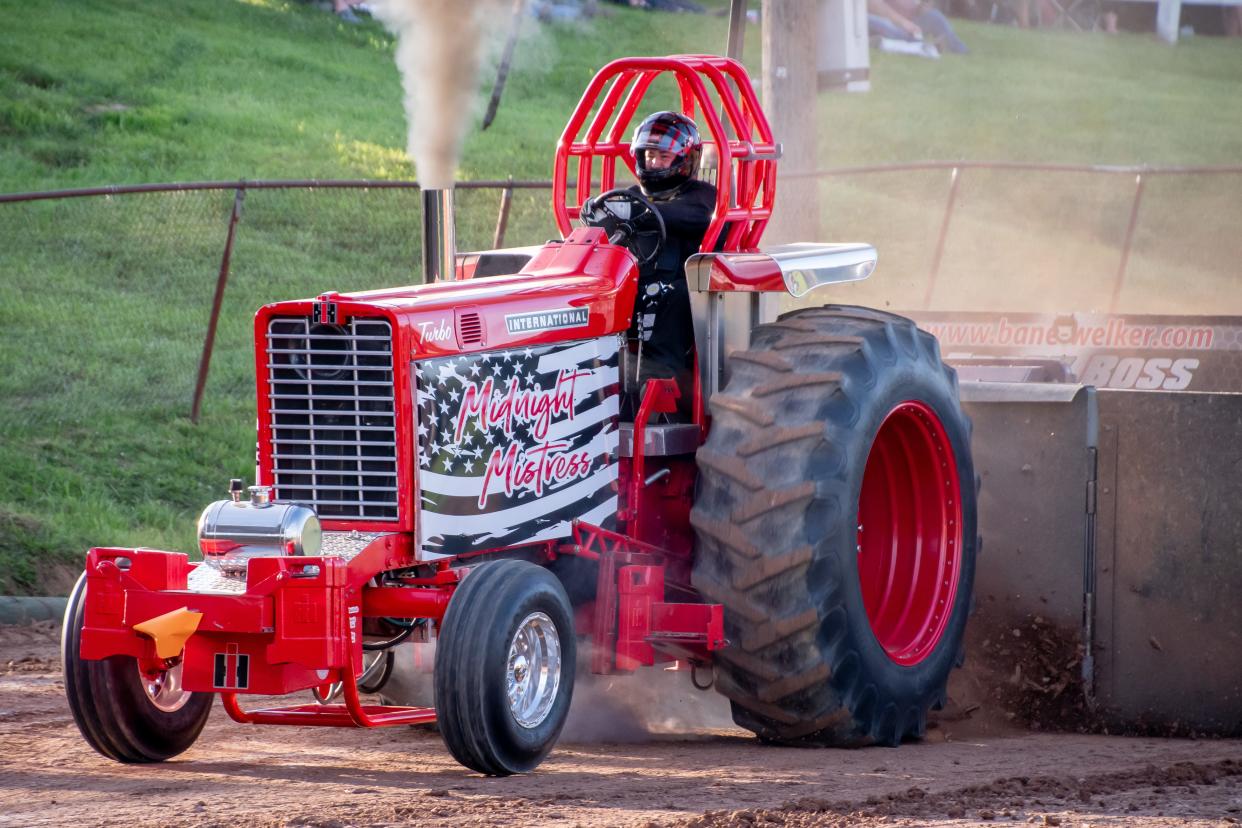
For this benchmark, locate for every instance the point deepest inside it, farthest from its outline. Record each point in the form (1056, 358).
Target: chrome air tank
(232, 531)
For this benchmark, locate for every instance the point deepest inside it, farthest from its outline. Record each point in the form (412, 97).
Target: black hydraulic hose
(407, 627)
(368, 684)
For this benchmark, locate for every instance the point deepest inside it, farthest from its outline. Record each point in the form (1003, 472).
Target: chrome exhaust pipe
(439, 241)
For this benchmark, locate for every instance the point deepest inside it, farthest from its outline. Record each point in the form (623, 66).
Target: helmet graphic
(666, 132)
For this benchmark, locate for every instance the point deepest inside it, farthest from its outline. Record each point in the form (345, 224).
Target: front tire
(504, 669)
(836, 523)
(120, 713)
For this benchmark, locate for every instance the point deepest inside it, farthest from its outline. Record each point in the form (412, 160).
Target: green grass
(1046, 242)
(103, 302)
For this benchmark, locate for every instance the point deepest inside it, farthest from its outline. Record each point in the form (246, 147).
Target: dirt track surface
(965, 773)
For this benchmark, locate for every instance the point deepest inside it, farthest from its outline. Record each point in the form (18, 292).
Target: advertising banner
(1170, 353)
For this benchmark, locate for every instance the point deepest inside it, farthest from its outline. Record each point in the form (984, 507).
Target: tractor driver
(666, 149)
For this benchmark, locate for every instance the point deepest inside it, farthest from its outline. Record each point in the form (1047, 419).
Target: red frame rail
(353, 713)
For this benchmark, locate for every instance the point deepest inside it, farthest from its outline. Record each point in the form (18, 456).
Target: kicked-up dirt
(640, 751)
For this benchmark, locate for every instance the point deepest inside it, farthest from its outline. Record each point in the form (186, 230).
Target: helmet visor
(667, 136)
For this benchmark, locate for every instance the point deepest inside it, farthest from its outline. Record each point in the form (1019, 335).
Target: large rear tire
(504, 672)
(836, 523)
(120, 713)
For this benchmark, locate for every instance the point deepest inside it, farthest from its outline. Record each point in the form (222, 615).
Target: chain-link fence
(1007, 237)
(107, 296)
(119, 286)
(106, 302)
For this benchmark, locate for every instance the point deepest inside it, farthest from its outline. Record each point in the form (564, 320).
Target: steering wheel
(630, 219)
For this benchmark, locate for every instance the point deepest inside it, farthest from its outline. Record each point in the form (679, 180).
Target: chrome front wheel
(534, 672)
(164, 690)
(504, 671)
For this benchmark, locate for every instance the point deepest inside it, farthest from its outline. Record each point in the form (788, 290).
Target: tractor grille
(334, 441)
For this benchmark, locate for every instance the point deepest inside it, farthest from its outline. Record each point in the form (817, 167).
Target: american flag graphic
(514, 445)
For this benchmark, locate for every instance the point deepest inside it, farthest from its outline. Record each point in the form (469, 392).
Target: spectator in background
(663, 5)
(913, 20)
(344, 10)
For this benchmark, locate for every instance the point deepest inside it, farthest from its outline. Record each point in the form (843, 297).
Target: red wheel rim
(910, 533)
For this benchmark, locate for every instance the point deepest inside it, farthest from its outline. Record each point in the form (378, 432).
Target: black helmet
(670, 132)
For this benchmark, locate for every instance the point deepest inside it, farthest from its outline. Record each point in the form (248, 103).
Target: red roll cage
(742, 141)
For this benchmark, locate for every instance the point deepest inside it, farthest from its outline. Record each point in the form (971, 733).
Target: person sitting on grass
(914, 21)
(344, 10)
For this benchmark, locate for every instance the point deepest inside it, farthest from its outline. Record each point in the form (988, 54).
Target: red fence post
(222, 279)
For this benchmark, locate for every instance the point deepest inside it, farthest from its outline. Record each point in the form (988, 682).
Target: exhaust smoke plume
(440, 47)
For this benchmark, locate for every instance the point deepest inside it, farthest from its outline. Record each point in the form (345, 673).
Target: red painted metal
(747, 153)
(747, 273)
(327, 715)
(604, 620)
(910, 532)
(418, 598)
(405, 602)
(353, 713)
(650, 630)
(609, 548)
(665, 508)
(110, 573)
(298, 623)
(583, 271)
(659, 397)
(638, 589)
(297, 615)
(631, 625)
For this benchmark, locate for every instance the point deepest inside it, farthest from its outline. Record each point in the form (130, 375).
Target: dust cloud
(649, 704)
(440, 48)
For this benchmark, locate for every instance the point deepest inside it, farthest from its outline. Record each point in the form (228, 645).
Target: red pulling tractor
(471, 459)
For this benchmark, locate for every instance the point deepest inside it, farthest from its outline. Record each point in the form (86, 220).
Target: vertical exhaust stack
(439, 237)
(440, 45)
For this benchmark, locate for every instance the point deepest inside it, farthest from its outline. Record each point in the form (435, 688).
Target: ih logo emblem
(232, 670)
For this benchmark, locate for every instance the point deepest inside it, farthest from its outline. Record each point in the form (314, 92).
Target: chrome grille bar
(329, 400)
(324, 383)
(333, 381)
(291, 427)
(324, 456)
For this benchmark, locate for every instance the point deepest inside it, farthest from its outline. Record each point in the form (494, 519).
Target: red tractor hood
(576, 289)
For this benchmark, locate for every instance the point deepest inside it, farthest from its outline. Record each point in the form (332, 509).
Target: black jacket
(686, 217)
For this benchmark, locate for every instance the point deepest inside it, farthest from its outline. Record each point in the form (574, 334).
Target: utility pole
(789, 99)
